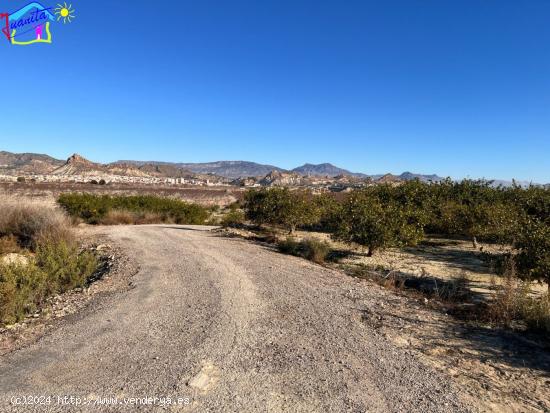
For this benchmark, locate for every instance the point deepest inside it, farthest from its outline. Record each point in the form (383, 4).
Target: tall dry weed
(513, 302)
(32, 223)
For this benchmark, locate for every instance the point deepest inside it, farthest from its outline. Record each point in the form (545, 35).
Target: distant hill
(27, 163)
(278, 178)
(150, 169)
(388, 179)
(409, 176)
(243, 169)
(164, 170)
(324, 169)
(77, 165)
(227, 169)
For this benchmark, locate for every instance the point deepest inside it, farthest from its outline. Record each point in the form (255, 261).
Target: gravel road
(215, 324)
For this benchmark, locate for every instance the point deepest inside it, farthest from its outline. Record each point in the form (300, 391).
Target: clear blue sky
(457, 88)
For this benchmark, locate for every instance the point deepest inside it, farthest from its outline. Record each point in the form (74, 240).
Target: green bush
(57, 267)
(309, 248)
(66, 267)
(22, 289)
(94, 208)
(233, 219)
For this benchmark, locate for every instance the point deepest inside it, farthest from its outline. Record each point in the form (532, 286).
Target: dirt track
(229, 325)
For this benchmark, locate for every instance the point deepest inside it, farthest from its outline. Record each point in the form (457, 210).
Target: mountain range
(32, 163)
(242, 169)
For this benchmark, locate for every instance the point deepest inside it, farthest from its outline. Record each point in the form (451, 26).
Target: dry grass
(144, 218)
(125, 217)
(32, 223)
(8, 244)
(513, 303)
(309, 248)
(118, 217)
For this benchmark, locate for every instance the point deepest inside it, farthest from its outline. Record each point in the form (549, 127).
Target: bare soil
(504, 371)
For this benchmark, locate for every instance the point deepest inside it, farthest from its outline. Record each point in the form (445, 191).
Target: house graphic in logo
(29, 25)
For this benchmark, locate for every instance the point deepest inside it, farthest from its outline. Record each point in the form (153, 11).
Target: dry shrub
(118, 217)
(536, 313)
(9, 244)
(507, 299)
(144, 218)
(391, 281)
(125, 217)
(514, 303)
(57, 264)
(33, 223)
(309, 248)
(454, 290)
(449, 291)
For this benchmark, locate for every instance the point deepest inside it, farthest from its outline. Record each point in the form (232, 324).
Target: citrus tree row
(384, 216)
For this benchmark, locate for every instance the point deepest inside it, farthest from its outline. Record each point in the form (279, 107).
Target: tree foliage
(380, 216)
(280, 206)
(369, 221)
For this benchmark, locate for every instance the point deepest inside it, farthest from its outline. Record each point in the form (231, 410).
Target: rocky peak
(76, 158)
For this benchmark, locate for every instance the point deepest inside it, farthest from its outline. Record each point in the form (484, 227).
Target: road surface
(217, 324)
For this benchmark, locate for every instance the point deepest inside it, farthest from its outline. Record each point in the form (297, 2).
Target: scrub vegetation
(139, 209)
(43, 258)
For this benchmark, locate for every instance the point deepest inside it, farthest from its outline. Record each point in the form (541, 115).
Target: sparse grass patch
(309, 248)
(513, 303)
(536, 313)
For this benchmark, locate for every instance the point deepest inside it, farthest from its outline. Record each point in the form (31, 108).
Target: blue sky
(455, 88)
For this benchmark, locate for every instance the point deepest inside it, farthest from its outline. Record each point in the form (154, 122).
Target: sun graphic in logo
(64, 12)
